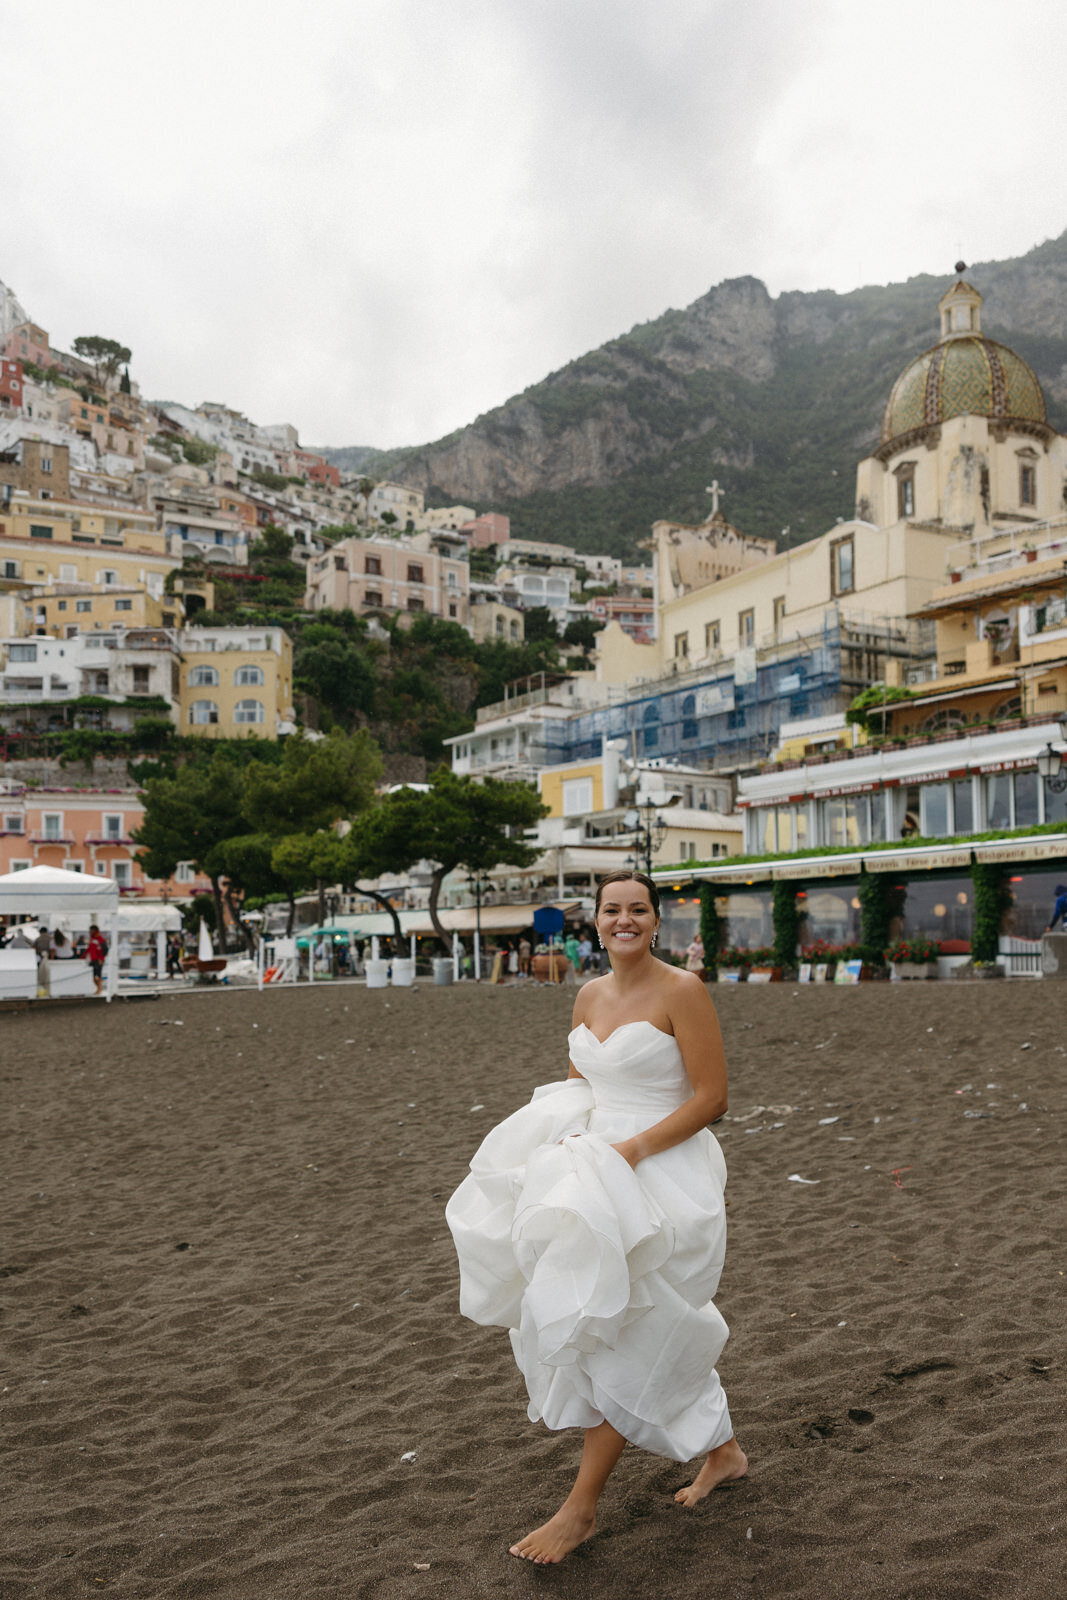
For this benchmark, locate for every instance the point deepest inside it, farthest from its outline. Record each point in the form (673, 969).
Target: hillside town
(887, 697)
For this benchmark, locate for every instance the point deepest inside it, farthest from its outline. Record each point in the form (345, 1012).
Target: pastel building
(391, 575)
(84, 830)
(236, 683)
(127, 666)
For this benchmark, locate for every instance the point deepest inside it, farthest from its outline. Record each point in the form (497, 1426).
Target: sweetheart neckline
(641, 1022)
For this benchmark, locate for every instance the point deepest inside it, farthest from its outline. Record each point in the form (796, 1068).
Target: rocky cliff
(776, 397)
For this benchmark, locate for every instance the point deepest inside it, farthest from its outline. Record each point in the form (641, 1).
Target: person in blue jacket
(1059, 910)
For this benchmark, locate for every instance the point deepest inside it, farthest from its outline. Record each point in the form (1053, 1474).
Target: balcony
(123, 839)
(64, 837)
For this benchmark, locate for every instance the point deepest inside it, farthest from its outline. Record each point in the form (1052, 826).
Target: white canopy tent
(50, 893)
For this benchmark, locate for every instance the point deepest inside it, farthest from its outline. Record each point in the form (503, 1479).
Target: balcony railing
(65, 837)
(109, 838)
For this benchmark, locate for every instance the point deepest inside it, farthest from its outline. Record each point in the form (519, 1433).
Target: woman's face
(626, 920)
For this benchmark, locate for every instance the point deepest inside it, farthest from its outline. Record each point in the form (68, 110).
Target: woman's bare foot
(723, 1465)
(559, 1536)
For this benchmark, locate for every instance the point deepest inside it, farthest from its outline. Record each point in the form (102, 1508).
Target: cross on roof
(715, 491)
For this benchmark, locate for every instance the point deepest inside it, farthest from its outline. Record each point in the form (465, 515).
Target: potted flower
(978, 969)
(764, 969)
(913, 958)
(734, 963)
(822, 958)
(549, 964)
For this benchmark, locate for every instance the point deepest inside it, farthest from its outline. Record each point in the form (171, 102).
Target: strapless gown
(604, 1274)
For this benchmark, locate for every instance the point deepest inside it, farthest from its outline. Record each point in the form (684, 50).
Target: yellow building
(236, 682)
(67, 609)
(48, 545)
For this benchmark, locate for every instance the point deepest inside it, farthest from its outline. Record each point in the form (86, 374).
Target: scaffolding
(727, 713)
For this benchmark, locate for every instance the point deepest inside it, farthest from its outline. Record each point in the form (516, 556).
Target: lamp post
(1051, 768)
(650, 830)
(479, 883)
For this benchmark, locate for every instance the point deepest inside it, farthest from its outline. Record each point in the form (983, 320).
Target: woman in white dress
(604, 1269)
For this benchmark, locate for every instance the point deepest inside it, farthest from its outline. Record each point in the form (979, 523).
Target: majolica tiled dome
(962, 376)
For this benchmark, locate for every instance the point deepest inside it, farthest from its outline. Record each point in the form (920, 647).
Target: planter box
(550, 968)
(913, 969)
(765, 975)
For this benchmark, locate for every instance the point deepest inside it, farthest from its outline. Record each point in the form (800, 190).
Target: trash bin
(403, 972)
(442, 970)
(377, 974)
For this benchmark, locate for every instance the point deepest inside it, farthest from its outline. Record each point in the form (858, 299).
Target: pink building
(392, 575)
(27, 342)
(84, 830)
(10, 385)
(635, 615)
(492, 527)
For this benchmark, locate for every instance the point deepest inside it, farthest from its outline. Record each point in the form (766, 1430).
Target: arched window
(249, 711)
(200, 677)
(943, 719)
(203, 711)
(245, 675)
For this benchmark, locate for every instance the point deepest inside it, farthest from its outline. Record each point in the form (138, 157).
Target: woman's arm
(696, 1027)
(577, 1017)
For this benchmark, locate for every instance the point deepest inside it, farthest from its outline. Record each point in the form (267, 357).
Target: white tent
(39, 891)
(50, 892)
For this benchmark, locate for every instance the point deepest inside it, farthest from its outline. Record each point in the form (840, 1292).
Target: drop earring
(599, 940)
(655, 936)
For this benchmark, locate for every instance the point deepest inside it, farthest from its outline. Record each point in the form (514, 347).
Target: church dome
(965, 374)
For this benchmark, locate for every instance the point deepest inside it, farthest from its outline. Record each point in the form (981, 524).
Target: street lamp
(480, 884)
(649, 828)
(1051, 768)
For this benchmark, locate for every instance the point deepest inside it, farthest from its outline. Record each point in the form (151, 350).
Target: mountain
(778, 398)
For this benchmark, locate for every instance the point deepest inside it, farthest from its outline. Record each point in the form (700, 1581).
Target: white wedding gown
(603, 1273)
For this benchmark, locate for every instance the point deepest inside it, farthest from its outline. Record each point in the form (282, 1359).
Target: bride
(592, 1225)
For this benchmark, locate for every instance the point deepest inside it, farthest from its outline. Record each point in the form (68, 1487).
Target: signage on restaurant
(895, 861)
(1023, 850)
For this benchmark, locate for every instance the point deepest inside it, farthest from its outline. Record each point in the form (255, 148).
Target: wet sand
(229, 1303)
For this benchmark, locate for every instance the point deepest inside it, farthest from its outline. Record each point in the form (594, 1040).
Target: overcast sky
(376, 219)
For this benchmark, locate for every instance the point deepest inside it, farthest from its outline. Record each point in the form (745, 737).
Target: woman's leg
(721, 1465)
(576, 1518)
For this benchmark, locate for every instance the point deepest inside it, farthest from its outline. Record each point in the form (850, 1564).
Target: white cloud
(377, 219)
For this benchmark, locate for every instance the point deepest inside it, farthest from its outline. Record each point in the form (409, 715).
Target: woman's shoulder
(592, 990)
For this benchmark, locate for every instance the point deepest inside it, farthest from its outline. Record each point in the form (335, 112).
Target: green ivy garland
(710, 927)
(992, 897)
(785, 919)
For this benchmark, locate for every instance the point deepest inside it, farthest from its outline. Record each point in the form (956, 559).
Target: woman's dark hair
(627, 876)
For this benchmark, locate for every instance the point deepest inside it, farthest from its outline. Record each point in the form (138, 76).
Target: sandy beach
(229, 1303)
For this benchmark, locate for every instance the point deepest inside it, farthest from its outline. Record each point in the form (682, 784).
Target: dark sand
(229, 1304)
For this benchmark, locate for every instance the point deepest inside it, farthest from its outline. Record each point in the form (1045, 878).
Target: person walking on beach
(592, 1225)
(96, 954)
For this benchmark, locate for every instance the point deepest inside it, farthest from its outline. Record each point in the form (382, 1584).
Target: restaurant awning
(952, 855)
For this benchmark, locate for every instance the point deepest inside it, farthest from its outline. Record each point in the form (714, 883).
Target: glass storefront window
(939, 907)
(831, 916)
(935, 810)
(747, 918)
(998, 800)
(1055, 805)
(770, 843)
(1025, 799)
(800, 814)
(963, 806)
(833, 823)
(785, 828)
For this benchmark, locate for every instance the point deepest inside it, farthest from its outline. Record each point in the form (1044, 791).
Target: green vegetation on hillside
(784, 446)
